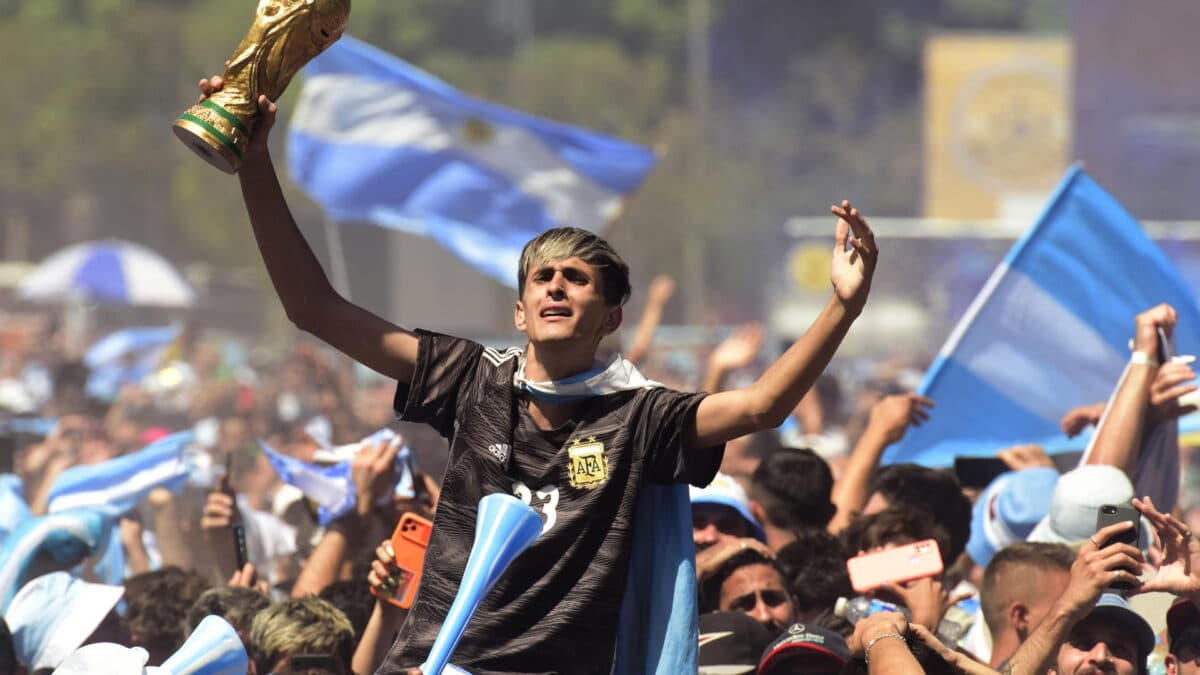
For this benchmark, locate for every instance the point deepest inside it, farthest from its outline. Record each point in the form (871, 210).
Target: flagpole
(337, 258)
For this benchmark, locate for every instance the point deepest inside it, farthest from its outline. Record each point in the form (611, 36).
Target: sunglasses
(747, 602)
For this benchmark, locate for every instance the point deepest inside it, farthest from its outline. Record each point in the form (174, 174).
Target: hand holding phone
(235, 521)
(870, 571)
(1110, 514)
(409, 541)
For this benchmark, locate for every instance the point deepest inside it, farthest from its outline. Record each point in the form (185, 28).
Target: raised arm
(766, 403)
(1095, 568)
(1120, 432)
(661, 290)
(301, 284)
(889, 420)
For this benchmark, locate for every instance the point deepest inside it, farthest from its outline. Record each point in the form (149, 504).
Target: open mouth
(555, 313)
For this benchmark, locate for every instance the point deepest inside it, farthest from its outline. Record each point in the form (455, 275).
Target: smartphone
(978, 472)
(239, 529)
(869, 571)
(1166, 346)
(409, 541)
(1108, 514)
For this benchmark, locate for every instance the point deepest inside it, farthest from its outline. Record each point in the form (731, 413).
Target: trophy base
(215, 147)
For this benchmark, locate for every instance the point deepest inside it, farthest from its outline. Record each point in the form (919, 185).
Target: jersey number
(547, 501)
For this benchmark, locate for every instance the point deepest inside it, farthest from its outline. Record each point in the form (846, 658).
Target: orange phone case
(409, 541)
(896, 565)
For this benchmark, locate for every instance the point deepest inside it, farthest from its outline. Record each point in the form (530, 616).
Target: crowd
(772, 531)
(173, 511)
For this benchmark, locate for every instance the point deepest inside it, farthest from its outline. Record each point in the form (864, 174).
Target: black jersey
(555, 610)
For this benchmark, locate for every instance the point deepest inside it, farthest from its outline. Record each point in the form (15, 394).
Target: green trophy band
(286, 34)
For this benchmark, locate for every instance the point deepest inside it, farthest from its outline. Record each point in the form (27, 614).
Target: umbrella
(111, 271)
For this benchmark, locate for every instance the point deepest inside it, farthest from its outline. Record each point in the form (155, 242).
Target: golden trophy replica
(286, 34)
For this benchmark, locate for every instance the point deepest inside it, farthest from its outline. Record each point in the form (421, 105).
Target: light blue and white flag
(66, 537)
(331, 487)
(375, 139)
(123, 482)
(1049, 331)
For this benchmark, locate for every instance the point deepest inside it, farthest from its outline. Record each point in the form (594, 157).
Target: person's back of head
(309, 626)
(792, 488)
(814, 567)
(1029, 573)
(894, 526)
(932, 491)
(236, 604)
(354, 599)
(156, 602)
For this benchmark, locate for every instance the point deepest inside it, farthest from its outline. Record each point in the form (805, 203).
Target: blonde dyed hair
(305, 625)
(571, 242)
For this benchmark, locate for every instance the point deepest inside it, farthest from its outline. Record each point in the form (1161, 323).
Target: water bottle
(859, 607)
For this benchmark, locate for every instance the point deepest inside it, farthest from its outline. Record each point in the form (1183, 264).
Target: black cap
(810, 643)
(730, 643)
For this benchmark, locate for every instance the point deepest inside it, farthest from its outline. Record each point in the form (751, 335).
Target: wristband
(1138, 358)
(877, 638)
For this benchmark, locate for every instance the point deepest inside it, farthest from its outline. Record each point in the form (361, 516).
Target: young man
(520, 422)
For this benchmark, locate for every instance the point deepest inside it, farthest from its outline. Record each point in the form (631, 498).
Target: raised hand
(927, 598)
(1179, 572)
(1173, 380)
(1028, 456)
(662, 287)
(257, 146)
(1147, 323)
(1081, 417)
(738, 350)
(373, 471)
(1097, 566)
(854, 257)
(892, 415)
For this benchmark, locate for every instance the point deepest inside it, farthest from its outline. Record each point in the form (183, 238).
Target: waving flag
(123, 482)
(1049, 331)
(375, 139)
(331, 487)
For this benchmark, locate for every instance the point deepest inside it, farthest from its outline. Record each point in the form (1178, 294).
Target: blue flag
(122, 482)
(375, 139)
(1049, 331)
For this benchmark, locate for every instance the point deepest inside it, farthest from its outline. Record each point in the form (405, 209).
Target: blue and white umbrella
(110, 271)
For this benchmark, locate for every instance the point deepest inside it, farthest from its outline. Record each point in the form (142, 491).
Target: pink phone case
(896, 565)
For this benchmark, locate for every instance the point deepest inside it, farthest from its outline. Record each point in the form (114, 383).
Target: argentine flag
(375, 139)
(1049, 331)
(120, 483)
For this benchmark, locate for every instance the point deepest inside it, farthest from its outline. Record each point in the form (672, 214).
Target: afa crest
(588, 467)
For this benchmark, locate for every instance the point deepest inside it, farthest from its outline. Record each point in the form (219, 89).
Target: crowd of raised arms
(180, 510)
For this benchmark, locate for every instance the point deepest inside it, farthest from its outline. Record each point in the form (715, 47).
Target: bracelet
(1138, 358)
(877, 638)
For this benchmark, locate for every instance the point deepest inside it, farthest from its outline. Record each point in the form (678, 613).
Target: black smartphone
(239, 529)
(1165, 346)
(978, 472)
(1109, 514)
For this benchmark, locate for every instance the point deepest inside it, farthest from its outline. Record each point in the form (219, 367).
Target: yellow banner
(997, 124)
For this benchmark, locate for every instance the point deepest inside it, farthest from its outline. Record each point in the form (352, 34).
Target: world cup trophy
(286, 34)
